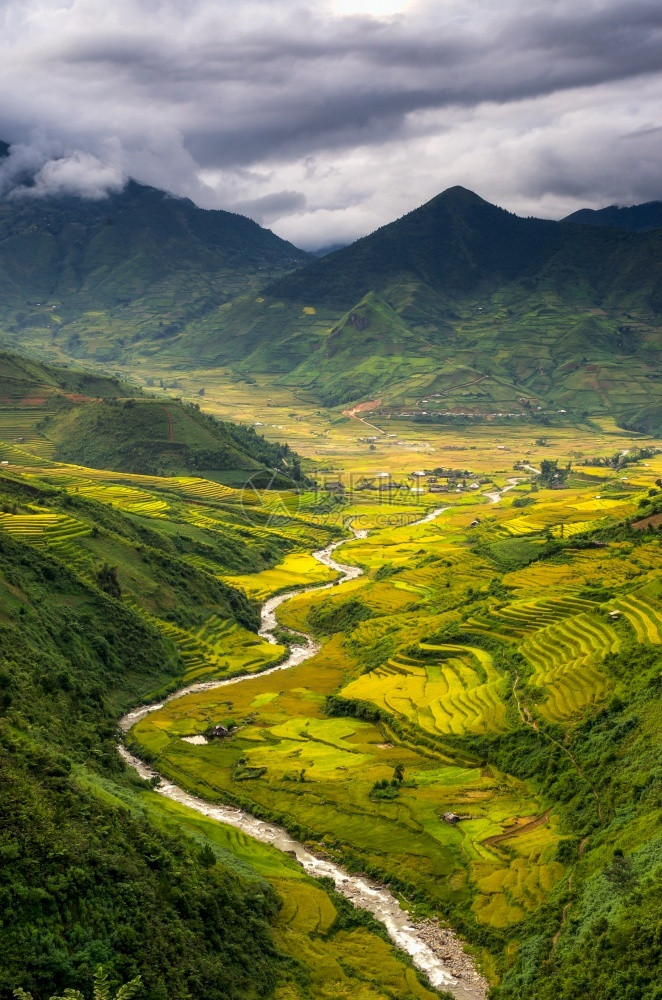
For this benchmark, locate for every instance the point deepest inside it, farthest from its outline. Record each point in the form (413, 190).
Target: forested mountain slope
(456, 292)
(96, 276)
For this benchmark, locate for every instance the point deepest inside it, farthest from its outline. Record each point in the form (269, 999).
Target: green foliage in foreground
(86, 879)
(101, 989)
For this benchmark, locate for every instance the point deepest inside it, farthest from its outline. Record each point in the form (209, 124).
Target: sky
(324, 120)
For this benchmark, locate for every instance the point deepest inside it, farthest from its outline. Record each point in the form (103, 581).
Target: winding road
(410, 937)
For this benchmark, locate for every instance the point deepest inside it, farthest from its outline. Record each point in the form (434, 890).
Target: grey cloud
(271, 206)
(244, 92)
(42, 169)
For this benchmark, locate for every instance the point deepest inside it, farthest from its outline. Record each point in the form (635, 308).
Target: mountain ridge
(632, 218)
(94, 277)
(564, 313)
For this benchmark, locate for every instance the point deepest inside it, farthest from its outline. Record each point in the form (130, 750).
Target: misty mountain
(93, 277)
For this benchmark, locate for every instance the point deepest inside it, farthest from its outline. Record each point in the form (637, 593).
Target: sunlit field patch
(296, 570)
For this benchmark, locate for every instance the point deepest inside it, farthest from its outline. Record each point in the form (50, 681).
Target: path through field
(171, 436)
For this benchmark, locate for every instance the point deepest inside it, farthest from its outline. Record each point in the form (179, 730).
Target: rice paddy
(327, 963)
(459, 692)
(296, 570)
(423, 585)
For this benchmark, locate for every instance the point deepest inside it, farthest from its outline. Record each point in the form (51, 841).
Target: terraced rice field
(458, 692)
(56, 531)
(518, 618)
(18, 425)
(505, 897)
(218, 648)
(128, 498)
(566, 658)
(319, 772)
(643, 610)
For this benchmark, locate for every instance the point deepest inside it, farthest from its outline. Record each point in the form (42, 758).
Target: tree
(551, 474)
(108, 582)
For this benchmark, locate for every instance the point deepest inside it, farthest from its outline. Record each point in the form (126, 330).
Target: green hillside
(93, 278)
(95, 880)
(71, 415)
(26, 381)
(164, 437)
(558, 315)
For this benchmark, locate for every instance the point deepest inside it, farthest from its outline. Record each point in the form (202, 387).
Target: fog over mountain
(325, 121)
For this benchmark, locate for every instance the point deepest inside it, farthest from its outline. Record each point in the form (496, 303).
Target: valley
(473, 669)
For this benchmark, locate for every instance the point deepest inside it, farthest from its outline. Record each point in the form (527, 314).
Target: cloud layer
(324, 125)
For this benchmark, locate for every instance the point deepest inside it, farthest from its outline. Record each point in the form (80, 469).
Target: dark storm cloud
(163, 90)
(255, 92)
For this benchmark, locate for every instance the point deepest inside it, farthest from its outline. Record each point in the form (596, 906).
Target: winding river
(436, 952)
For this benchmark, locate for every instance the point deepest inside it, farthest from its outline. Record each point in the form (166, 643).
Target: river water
(362, 891)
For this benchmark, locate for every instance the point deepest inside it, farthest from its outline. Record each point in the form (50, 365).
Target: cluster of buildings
(421, 481)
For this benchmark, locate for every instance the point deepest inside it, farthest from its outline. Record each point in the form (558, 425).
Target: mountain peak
(457, 193)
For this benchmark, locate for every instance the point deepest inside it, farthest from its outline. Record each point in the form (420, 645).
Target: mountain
(454, 244)
(459, 307)
(456, 293)
(634, 218)
(326, 250)
(93, 278)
